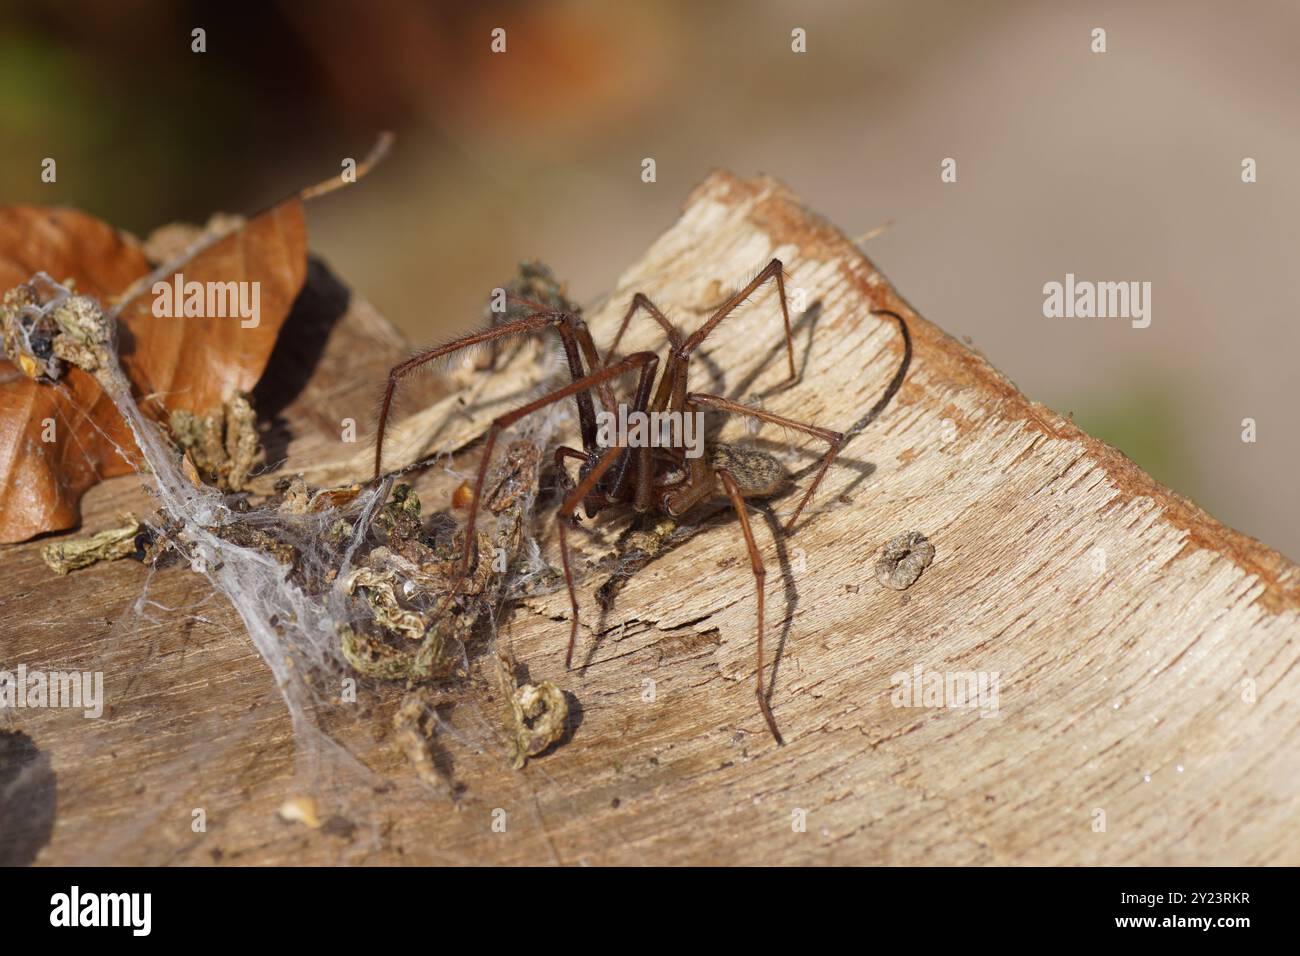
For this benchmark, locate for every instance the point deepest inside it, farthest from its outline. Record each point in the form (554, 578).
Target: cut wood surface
(1146, 708)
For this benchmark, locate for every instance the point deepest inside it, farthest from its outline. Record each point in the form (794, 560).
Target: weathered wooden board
(1146, 655)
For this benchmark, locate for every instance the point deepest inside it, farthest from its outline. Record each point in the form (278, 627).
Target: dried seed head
(86, 333)
(44, 324)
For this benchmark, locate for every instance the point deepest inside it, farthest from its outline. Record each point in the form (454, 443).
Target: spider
(651, 480)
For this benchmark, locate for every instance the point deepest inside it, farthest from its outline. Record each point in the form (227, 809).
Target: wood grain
(1146, 654)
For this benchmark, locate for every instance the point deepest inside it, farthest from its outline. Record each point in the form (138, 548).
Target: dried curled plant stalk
(903, 559)
(415, 727)
(71, 554)
(537, 715)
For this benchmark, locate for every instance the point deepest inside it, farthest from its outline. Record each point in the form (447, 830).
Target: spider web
(295, 629)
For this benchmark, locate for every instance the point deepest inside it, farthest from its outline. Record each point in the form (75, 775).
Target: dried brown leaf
(191, 363)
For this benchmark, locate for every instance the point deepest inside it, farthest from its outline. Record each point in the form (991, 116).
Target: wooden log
(1144, 655)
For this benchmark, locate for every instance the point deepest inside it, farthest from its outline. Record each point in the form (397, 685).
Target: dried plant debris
(408, 630)
(327, 580)
(903, 559)
(413, 638)
(415, 726)
(46, 325)
(388, 613)
(397, 622)
(195, 358)
(55, 330)
(264, 540)
(401, 520)
(536, 714)
(292, 496)
(405, 629)
(124, 541)
(223, 446)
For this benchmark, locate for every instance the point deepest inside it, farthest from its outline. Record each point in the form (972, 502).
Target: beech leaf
(58, 440)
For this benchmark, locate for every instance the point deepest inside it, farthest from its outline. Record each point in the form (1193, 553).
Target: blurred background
(1122, 166)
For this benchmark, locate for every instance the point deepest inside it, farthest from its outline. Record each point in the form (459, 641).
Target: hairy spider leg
(582, 336)
(643, 457)
(502, 422)
(588, 482)
(891, 390)
(642, 301)
(773, 270)
(671, 393)
(760, 578)
(565, 514)
(562, 321)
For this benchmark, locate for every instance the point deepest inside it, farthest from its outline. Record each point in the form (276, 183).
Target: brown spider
(652, 480)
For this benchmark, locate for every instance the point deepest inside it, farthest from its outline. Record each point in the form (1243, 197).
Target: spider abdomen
(758, 474)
